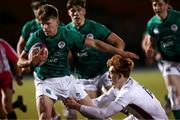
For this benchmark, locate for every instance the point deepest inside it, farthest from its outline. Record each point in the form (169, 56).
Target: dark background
(127, 18)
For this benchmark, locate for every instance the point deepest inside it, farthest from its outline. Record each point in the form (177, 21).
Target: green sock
(176, 114)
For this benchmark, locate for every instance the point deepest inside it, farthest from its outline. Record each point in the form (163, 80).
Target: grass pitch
(150, 79)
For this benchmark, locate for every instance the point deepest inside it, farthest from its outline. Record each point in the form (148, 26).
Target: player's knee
(41, 104)
(43, 116)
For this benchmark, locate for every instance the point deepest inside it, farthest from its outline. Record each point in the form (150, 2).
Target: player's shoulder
(68, 29)
(92, 22)
(153, 20)
(129, 84)
(30, 23)
(174, 13)
(38, 34)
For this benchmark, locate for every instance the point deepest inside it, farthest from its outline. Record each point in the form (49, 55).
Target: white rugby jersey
(132, 97)
(7, 54)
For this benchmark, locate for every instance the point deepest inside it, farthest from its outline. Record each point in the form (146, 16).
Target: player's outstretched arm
(100, 113)
(102, 46)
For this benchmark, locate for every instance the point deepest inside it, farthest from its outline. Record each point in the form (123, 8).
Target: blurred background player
(29, 28)
(94, 75)
(90, 64)
(163, 30)
(7, 57)
(125, 95)
(150, 61)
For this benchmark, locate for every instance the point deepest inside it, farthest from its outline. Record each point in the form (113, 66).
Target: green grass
(150, 79)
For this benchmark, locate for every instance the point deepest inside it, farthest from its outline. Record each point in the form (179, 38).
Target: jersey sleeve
(25, 32)
(31, 41)
(104, 99)
(10, 52)
(103, 31)
(149, 28)
(124, 97)
(102, 113)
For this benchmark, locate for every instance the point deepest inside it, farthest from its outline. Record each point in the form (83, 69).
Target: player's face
(113, 75)
(77, 14)
(50, 27)
(35, 12)
(160, 7)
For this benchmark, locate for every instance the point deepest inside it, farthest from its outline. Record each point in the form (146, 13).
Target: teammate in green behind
(90, 64)
(164, 38)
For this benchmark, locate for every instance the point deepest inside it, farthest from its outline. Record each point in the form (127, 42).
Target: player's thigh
(174, 80)
(44, 105)
(92, 93)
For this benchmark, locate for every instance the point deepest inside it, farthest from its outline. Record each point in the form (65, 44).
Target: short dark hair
(166, 1)
(46, 12)
(71, 3)
(35, 4)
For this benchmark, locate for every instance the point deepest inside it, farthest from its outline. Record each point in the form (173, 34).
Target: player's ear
(68, 11)
(84, 11)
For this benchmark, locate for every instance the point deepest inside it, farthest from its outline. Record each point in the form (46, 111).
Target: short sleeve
(25, 32)
(31, 41)
(103, 31)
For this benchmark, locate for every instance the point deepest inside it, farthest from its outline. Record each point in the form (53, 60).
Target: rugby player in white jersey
(126, 95)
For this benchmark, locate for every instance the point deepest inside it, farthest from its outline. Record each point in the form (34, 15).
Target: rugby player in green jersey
(29, 28)
(164, 38)
(52, 79)
(90, 64)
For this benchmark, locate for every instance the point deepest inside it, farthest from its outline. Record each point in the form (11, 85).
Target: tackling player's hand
(72, 103)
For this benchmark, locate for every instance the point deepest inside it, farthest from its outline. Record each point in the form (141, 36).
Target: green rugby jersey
(89, 61)
(58, 47)
(167, 35)
(29, 28)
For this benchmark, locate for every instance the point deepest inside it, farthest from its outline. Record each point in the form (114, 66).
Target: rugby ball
(35, 49)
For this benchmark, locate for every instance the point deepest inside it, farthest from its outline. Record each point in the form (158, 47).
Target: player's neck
(163, 15)
(80, 24)
(120, 83)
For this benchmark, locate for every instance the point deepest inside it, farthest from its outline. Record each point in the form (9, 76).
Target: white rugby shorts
(59, 88)
(169, 68)
(96, 83)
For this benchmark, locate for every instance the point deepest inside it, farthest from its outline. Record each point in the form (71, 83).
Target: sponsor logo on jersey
(30, 33)
(174, 27)
(77, 95)
(156, 31)
(90, 35)
(61, 44)
(52, 60)
(48, 91)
